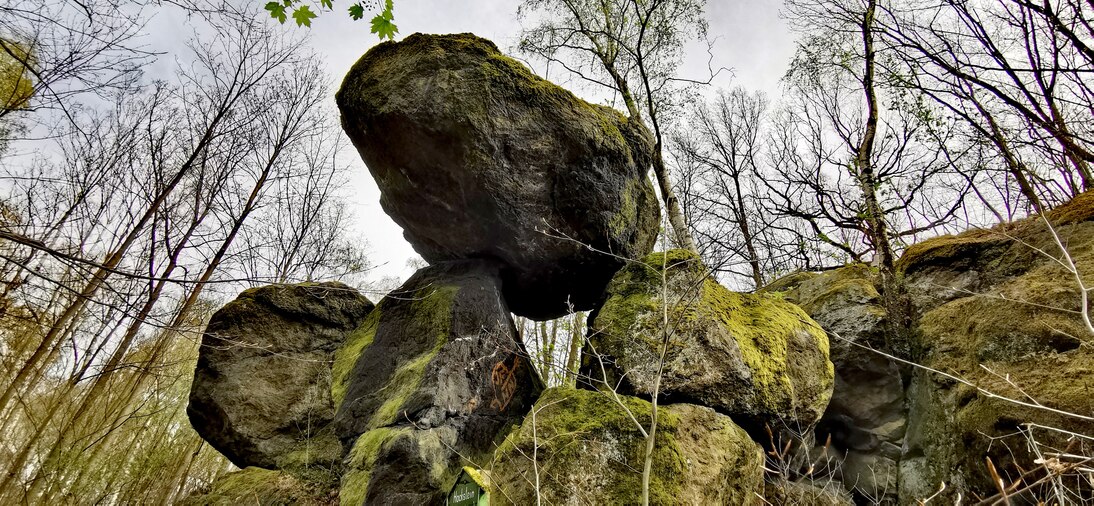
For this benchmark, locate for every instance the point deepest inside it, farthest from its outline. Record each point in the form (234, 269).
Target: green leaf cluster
(382, 24)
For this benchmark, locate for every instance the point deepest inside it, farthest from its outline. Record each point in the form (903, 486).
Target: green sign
(467, 491)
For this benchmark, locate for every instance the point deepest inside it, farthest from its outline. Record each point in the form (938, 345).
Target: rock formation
(267, 487)
(1004, 317)
(587, 450)
(502, 181)
(434, 374)
(261, 391)
(756, 358)
(476, 157)
(866, 417)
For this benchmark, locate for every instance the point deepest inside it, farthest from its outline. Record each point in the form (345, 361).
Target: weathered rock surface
(756, 358)
(435, 372)
(588, 451)
(1013, 331)
(866, 416)
(818, 493)
(476, 157)
(261, 391)
(267, 487)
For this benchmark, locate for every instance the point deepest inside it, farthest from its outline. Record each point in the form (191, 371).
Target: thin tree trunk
(577, 338)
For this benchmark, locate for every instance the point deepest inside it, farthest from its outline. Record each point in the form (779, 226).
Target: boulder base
(267, 487)
(435, 374)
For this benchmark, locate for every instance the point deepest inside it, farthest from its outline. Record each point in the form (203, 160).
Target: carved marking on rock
(504, 379)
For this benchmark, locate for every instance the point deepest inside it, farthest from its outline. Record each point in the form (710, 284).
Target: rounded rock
(261, 391)
(476, 157)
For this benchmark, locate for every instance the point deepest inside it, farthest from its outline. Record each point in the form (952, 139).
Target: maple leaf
(303, 16)
(277, 11)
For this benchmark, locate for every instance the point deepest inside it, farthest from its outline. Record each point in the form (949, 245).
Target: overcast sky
(750, 38)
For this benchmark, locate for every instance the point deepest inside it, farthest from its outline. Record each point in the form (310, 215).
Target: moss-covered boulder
(754, 357)
(403, 465)
(820, 492)
(434, 376)
(1015, 333)
(267, 487)
(584, 447)
(261, 390)
(866, 418)
(475, 156)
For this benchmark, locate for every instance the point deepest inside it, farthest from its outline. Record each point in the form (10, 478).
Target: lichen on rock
(755, 357)
(439, 375)
(588, 450)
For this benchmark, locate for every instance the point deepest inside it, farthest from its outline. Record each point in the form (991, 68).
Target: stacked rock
(523, 199)
(476, 157)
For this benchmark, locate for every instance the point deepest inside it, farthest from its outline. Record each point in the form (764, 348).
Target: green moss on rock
(754, 356)
(359, 463)
(433, 308)
(321, 449)
(346, 356)
(587, 447)
(254, 485)
(1014, 330)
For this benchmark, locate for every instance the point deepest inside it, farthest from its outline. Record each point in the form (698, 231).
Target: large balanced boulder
(435, 375)
(866, 417)
(1005, 326)
(585, 447)
(476, 157)
(261, 390)
(754, 357)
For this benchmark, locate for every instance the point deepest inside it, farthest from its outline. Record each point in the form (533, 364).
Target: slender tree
(633, 49)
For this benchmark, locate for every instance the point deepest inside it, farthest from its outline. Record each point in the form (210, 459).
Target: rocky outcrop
(1002, 320)
(581, 447)
(435, 374)
(261, 390)
(756, 358)
(866, 417)
(476, 157)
